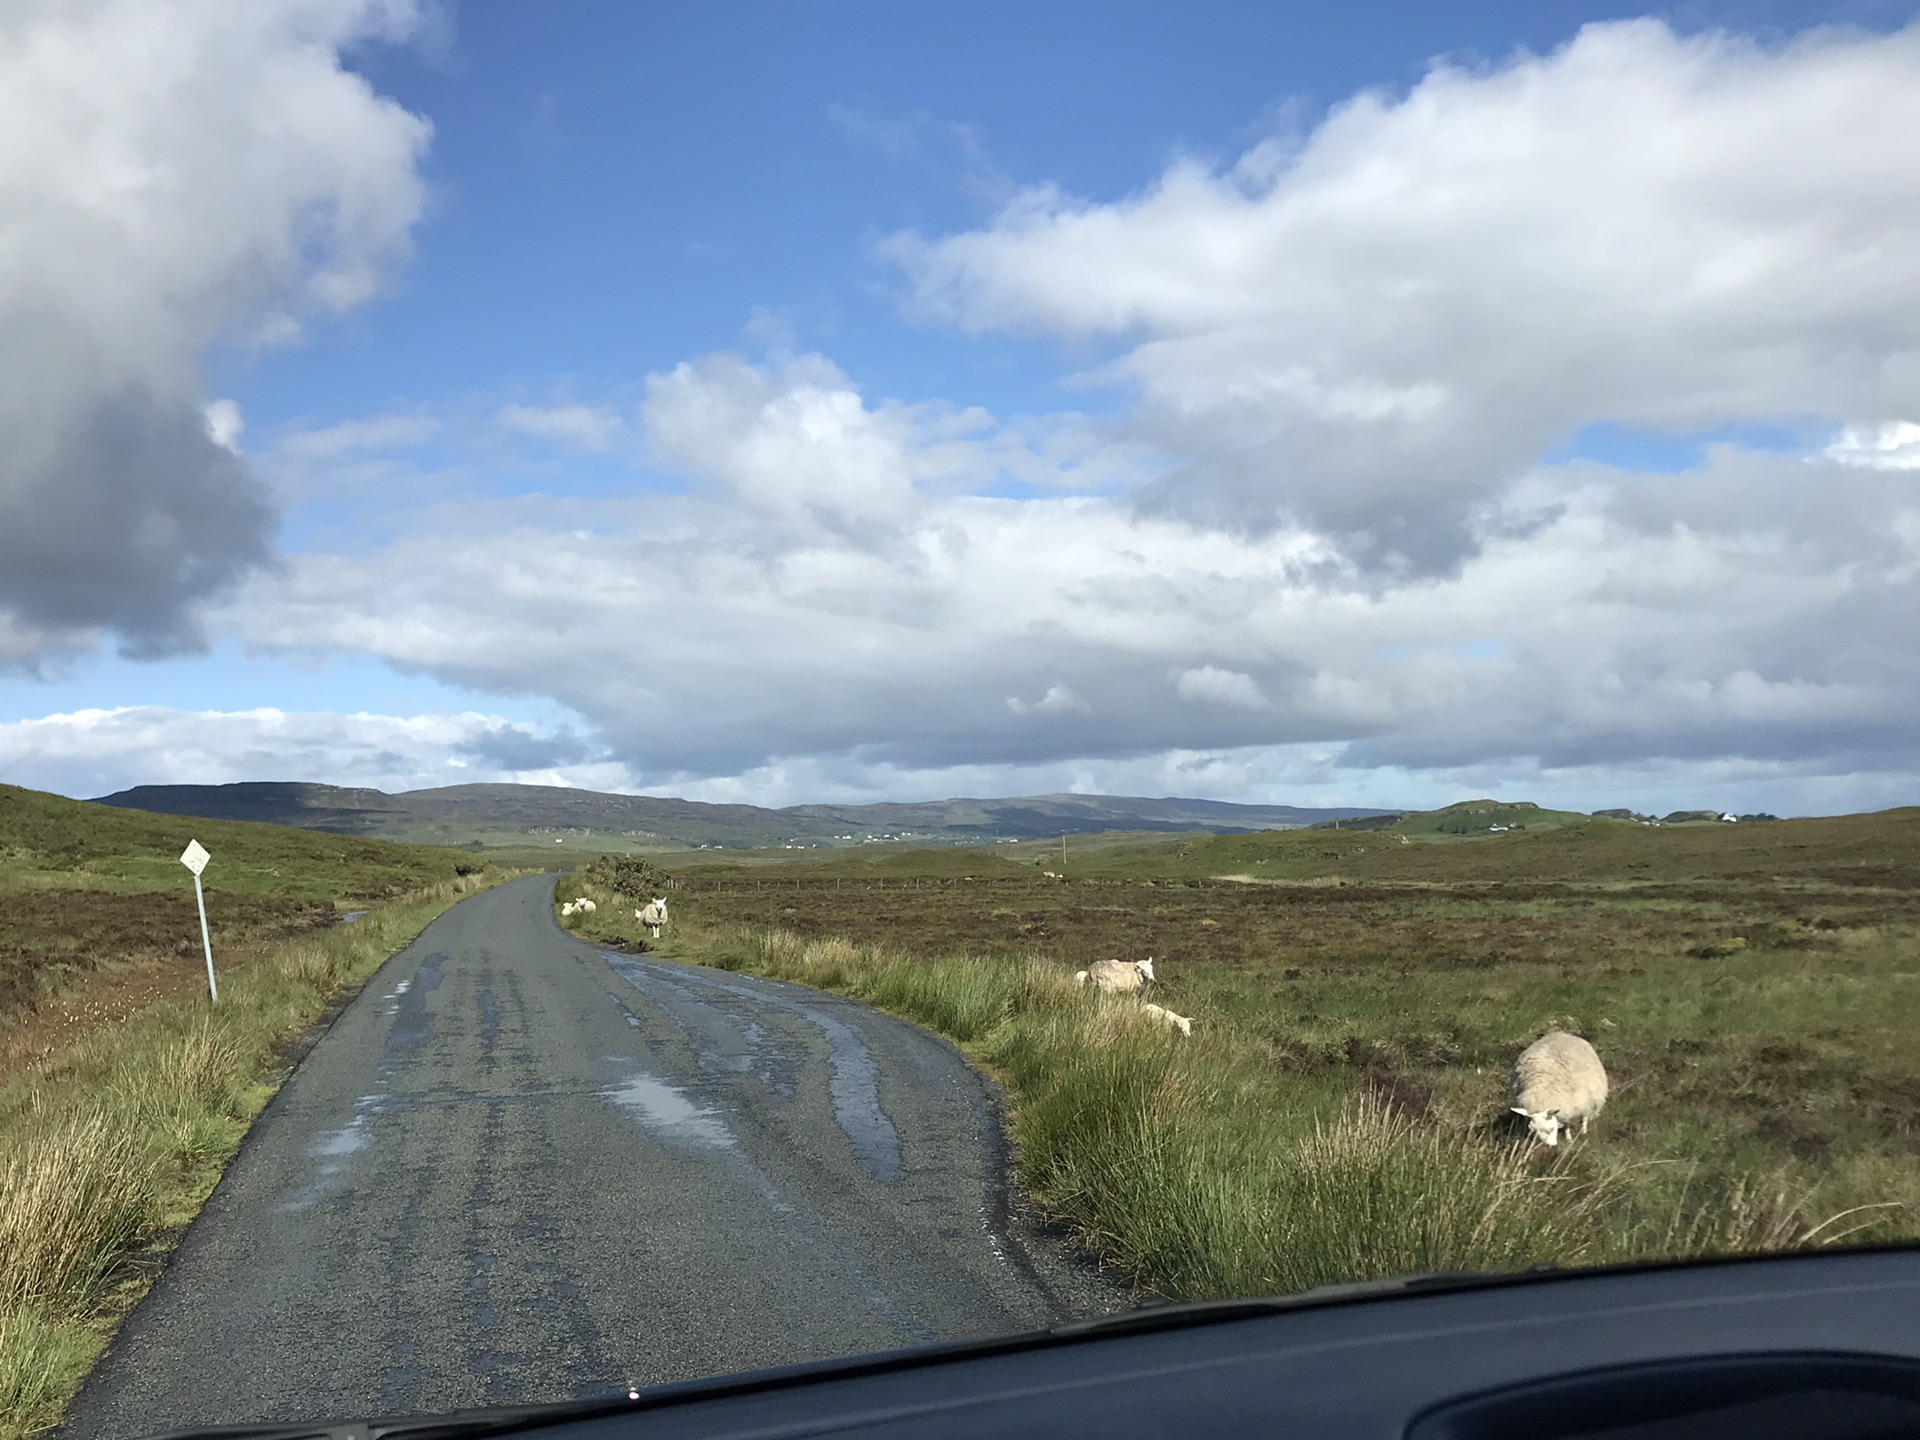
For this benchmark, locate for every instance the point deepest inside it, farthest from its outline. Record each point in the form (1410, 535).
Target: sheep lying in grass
(653, 915)
(567, 910)
(1115, 976)
(584, 906)
(1558, 1079)
(1167, 1018)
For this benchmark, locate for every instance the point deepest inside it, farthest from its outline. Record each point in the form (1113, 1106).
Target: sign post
(195, 858)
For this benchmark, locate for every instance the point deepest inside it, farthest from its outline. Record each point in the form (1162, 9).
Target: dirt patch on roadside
(97, 998)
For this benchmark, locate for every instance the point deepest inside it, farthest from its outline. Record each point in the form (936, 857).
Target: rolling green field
(1357, 998)
(114, 1129)
(86, 888)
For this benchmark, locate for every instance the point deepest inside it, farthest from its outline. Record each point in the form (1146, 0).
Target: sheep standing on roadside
(653, 915)
(1116, 976)
(1558, 1079)
(1167, 1018)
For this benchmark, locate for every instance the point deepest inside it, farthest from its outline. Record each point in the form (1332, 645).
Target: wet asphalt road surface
(518, 1168)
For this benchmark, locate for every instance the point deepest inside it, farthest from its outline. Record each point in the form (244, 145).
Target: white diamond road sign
(195, 858)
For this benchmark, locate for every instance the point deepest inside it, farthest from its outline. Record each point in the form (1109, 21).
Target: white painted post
(195, 858)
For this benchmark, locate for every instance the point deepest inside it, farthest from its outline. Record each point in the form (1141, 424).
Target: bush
(626, 875)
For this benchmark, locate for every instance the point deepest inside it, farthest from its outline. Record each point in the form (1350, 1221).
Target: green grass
(85, 887)
(1339, 1111)
(1479, 817)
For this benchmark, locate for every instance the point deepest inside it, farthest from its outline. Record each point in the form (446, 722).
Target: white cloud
(582, 427)
(171, 176)
(1359, 344)
(1892, 445)
(1376, 328)
(1220, 687)
(225, 424)
(397, 431)
(1059, 700)
(795, 441)
(96, 752)
(1760, 609)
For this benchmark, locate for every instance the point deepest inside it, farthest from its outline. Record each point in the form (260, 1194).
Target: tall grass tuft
(72, 1206)
(38, 1362)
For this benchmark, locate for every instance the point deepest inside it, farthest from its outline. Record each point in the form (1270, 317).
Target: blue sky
(1368, 404)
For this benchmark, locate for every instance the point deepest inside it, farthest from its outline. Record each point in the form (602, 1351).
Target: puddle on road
(663, 1109)
(348, 1138)
(333, 1150)
(853, 1086)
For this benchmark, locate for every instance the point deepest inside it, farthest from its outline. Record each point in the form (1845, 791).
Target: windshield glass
(690, 688)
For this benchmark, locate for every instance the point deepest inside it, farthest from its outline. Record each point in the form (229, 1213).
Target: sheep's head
(1145, 967)
(1546, 1125)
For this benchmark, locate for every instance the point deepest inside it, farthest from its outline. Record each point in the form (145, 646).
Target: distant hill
(515, 815)
(1465, 817)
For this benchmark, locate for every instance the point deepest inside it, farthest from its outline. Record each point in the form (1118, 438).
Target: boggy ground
(97, 916)
(1754, 990)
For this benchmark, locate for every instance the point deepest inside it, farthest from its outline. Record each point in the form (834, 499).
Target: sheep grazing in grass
(1115, 976)
(1558, 1079)
(653, 915)
(1167, 1018)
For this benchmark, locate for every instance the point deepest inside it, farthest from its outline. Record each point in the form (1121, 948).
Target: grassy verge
(108, 1149)
(1205, 1174)
(1338, 1111)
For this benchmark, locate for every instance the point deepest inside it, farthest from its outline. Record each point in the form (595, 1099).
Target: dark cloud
(511, 747)
(231, 184)
(129, 518)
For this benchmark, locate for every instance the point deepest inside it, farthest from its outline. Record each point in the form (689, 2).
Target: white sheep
(1114, 976)
(1558, 1079)
(653, 915)
(585, 906)
(1166, 1017)
(566, 910)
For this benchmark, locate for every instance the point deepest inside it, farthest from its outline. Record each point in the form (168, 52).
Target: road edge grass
(1194, 1169)
(109, 1149)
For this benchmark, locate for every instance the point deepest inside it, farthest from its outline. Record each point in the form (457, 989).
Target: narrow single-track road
(518, 1168)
